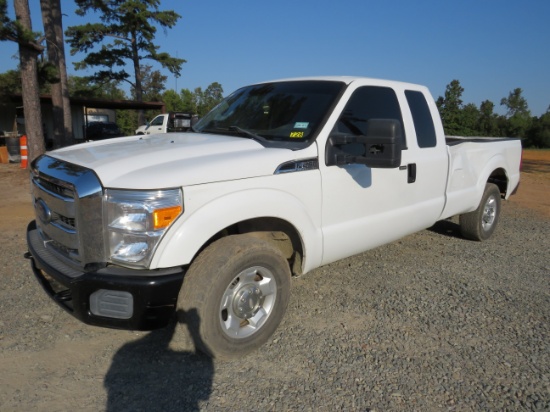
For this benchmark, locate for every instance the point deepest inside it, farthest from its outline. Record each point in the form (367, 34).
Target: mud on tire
(237, 289)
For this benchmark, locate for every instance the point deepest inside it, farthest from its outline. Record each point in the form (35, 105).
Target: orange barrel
(24, 156)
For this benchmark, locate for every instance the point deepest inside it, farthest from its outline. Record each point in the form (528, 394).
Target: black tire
(237, 291)
(481, 223)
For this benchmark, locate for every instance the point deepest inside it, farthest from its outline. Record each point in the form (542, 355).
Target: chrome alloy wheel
(248, 302)
(489, 213)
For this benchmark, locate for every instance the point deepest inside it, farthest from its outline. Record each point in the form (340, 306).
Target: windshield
(275, 114)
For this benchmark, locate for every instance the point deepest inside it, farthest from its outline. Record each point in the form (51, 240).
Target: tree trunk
(28, 53)
(53, 28)
(137, 71)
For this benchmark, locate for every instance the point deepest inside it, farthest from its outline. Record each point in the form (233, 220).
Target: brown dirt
(36, 373)
(534, 187)
(15, 200)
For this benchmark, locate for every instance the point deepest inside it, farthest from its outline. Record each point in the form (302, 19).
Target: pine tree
(131, 26)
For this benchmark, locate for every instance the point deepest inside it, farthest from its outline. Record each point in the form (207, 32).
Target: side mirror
(379, 148)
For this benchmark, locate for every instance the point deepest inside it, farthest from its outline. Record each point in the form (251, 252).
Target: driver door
(365, 207)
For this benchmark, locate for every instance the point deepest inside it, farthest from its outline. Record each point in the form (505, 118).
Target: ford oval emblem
(43, 211)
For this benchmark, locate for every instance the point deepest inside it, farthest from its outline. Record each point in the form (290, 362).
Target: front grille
(55, 188)
(68, 202)
(67, 221)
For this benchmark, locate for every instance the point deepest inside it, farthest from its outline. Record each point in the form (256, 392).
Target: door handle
(411, 173)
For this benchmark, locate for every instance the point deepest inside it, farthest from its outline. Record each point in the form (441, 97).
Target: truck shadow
(149, 375)
(447, 228)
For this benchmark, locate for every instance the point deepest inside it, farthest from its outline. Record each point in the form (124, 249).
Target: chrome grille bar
(68, 205)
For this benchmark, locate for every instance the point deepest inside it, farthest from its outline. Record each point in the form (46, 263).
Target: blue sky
(490, 46)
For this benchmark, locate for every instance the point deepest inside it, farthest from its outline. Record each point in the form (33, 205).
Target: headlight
(136, 222)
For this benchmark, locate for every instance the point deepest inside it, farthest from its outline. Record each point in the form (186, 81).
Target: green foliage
(488, 120)
(10, 83)
(126, 120)
(189, 101)
(173, 101)
(450, 108)
(12, 30)
(467, 120)
(153, 83)
(131, 25)
(86, 87)
(518, 114)
(539, 133)
(206, 100)
(515, 103)
(7, 26)
(198, 102)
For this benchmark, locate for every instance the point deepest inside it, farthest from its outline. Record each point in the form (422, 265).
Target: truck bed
(454, 140)
(473, 161)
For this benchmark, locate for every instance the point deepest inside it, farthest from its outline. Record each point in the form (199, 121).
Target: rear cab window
(422, 119)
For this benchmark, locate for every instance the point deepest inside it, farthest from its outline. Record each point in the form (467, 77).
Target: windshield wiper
(247, 133)
(238, 131)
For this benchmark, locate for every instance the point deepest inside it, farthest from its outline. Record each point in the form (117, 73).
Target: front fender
(301, 209)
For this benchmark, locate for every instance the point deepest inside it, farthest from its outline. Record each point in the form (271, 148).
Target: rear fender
(496, 162)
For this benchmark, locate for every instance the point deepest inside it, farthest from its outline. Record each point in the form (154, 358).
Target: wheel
(237, 291)
(481, 223)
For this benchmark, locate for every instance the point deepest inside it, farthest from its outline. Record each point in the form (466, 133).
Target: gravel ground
(432, 322)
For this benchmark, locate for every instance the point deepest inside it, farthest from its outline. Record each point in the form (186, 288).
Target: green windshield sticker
(301, 125)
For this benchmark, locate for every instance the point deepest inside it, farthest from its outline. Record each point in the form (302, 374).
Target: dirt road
(348, 342)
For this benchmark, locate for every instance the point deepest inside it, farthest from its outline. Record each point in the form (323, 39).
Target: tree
(83, 87)
(539, 133)
(189, 101)
(132, 26)
(173, 101)
(515, 103)
(518, 114)
(469, 120)
(61, 105)
(206, 100)
(10, 83)
(487, 124)
(153, 84)
(450, 108)
(29, 49)
(198, 102)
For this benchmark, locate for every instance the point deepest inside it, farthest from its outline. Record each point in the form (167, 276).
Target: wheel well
(278, 232)
(499, 178)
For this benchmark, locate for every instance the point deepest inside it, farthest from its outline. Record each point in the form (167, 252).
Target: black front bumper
(154, 292)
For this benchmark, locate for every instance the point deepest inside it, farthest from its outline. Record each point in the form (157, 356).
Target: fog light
(112, 304)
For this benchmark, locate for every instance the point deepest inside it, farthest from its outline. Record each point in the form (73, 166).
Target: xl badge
(43, 211)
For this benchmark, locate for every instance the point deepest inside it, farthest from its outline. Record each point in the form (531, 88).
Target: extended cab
(168, 123)
(280, 178)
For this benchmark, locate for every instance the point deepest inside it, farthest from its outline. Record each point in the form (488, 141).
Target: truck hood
(175, 159)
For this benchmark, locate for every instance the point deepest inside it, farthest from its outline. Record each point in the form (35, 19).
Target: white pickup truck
(168, 123)
(278, 179)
